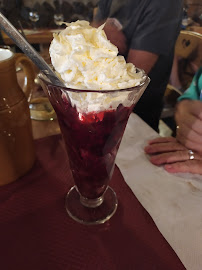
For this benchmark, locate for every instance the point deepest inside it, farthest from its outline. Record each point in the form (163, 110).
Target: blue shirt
(150, 25)
(195, 89)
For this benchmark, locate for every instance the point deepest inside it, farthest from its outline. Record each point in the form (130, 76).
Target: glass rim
(145, 80)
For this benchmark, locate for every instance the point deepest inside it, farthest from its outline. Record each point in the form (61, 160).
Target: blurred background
(38, 19)
(16, 10)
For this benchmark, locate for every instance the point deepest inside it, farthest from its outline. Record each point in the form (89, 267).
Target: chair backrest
(187, 43)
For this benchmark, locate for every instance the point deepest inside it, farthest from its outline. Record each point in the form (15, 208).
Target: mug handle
(29, 71)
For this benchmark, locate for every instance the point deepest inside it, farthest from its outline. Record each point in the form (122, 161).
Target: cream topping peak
(85, 59)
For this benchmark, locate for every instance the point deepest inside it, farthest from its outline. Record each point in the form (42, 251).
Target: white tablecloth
(174, 202)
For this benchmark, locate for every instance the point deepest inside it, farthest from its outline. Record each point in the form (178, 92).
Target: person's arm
(116, 37)
(142, 59)
(156, 33)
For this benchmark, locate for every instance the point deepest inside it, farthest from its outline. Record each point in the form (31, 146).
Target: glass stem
(91, 203)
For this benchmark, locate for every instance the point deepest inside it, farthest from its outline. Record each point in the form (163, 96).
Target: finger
(164, 147)
(170, 157)
(196, 108)
(191, 107)
(197, 126)
(189, 133)
(195, 146)
(162, 139)
(190, 118)
(187, 119)
(189, 166)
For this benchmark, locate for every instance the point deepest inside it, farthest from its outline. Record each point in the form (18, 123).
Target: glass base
(93, 214)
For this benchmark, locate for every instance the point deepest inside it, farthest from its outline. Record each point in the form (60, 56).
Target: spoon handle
(22, 43)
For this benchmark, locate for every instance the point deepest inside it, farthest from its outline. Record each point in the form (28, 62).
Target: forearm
(96, 23)
(142, 59)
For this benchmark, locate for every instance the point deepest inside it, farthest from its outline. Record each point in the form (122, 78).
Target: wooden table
(41, 36)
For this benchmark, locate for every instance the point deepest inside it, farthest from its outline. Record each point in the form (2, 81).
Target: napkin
(173, 201)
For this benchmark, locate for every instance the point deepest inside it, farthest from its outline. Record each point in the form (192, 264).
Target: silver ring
(191, 154)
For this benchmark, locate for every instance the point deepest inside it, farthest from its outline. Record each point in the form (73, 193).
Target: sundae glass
(92, 123)
(92, 141)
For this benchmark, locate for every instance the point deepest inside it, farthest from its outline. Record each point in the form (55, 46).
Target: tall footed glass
(92, 124)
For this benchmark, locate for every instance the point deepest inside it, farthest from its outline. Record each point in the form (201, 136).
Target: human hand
(174, 156)
(188, 118)
(116, 37)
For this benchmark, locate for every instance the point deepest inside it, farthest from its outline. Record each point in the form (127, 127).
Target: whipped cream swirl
(85, 59)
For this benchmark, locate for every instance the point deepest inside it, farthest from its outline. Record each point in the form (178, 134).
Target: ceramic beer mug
(16, 143)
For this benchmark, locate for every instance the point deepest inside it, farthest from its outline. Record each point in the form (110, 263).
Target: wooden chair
(187, 48)
(187, 43)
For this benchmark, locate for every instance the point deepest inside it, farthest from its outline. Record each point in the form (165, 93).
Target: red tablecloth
(36, 232)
